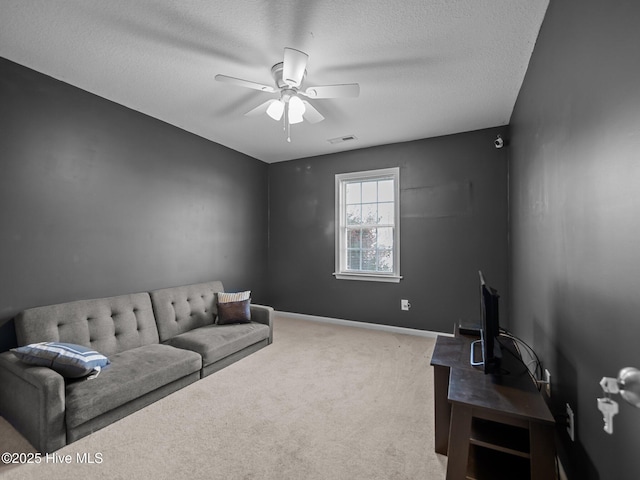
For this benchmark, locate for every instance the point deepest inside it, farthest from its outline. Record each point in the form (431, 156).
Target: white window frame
(341, 271)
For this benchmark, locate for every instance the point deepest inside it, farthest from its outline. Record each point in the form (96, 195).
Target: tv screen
(490, 326)
(489, 331)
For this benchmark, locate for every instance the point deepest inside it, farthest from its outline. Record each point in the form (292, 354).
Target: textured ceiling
(425, 67)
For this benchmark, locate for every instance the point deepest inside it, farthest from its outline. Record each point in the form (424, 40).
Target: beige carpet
(323, 402)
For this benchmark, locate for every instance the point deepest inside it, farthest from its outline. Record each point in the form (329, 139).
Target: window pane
(369, 260)
(385, 191)
(369, 237)
(353, 193)
(353, 239)
(353, 259)
(385, 261)
(385, 213)
(370, 213)
(384, 238)
(369, 192)
(353, 214)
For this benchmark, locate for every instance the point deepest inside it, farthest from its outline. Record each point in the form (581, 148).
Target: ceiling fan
(288, 76)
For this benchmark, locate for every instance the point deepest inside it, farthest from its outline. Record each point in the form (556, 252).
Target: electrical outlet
(405, 305)
(571, 423)
(547, 378)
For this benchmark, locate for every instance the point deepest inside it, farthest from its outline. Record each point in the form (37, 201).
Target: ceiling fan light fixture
(296, 109)
(288, 77)
(276, 109)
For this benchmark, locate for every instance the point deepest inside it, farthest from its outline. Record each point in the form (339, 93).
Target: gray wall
(575, 220)
(99, 200)
(453, 222)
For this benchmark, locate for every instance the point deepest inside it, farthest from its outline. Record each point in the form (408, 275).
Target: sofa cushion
(233, 307)
(226, 297)
(69, 360)
(234, 312)
(180, 309)
(215, 342)
(108, 325)
(131, 374)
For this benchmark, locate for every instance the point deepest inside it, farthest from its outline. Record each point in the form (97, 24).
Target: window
(368, 225)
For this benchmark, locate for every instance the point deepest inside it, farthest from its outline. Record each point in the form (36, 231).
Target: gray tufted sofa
(157, 342)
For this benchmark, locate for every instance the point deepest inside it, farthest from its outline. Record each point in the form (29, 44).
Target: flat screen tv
(489, 331)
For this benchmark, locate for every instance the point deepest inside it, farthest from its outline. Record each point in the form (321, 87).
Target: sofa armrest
(263, 314)
(32, 399)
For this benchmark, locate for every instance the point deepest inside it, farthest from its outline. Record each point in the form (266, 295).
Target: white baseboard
(370, 326)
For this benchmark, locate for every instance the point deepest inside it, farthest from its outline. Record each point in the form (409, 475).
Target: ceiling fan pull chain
(287, 125)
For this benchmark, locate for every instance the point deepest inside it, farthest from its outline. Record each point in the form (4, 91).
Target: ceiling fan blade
(310, 114)
(294, 66)
(333, 91)
(260, 109)
(245, 83)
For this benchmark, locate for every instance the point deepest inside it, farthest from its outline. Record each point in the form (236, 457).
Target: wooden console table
(490, 426)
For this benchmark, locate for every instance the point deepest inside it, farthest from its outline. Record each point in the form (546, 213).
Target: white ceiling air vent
(345, 138)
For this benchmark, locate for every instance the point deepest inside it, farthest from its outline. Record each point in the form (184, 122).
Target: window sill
(368, 277)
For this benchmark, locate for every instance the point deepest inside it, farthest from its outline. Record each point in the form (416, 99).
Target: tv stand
(490, 426)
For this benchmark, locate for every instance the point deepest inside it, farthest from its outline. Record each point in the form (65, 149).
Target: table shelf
(500, 437)
(490, 464)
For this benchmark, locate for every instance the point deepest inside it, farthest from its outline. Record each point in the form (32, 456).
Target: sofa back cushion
(108, 325)
(180, 309)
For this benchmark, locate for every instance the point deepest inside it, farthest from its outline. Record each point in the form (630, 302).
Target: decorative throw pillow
(69, 360)
(234, 308)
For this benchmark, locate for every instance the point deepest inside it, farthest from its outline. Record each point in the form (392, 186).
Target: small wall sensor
(498, 142)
